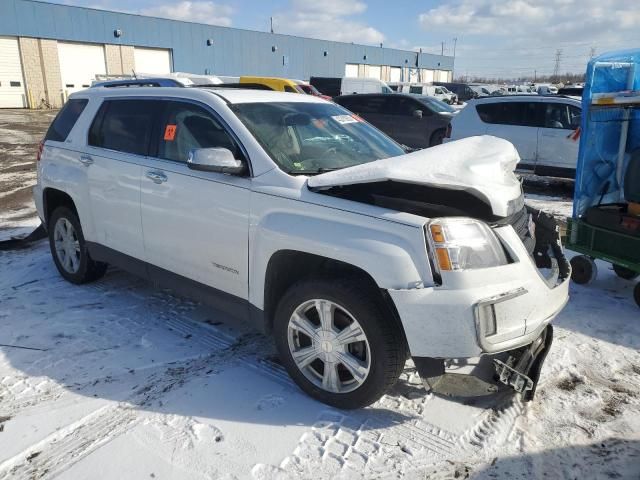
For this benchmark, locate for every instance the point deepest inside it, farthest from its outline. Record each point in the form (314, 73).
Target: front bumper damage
(506, 343)
(516, 369)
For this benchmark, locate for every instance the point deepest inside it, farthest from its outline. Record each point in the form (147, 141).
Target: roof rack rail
(140, 82)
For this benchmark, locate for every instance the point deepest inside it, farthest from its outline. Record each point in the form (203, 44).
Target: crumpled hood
(484, 165)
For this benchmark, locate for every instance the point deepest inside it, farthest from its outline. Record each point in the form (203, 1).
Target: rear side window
(368, 104)
(65, 120)
(415, 89)
(124, 125)
(526, 114)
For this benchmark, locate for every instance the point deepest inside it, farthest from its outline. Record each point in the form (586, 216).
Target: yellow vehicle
(275, 83)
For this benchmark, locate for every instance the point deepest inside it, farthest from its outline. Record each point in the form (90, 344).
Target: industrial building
(48, 51)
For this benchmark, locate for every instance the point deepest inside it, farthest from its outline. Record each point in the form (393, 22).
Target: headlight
(465, 243)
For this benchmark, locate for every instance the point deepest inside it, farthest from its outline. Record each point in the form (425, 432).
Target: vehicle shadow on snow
(611, 458)
(120, 339)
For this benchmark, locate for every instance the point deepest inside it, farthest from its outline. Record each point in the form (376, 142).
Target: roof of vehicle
(366, 95)
(528, 97)
(229, 95)
(275, 80)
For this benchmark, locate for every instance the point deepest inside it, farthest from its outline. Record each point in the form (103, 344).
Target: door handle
(157, 177)
(86, 160)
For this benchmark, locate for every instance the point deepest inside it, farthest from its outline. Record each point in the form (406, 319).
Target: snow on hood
(484, 165)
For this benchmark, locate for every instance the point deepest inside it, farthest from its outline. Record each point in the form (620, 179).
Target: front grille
(520, 223)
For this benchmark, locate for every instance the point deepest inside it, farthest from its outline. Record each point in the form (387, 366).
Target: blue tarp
(601, 127)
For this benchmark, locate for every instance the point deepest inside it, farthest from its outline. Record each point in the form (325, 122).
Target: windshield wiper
(314, 172)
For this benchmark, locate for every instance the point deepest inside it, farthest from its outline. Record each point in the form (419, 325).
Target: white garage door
(12, 94)
(395, 74)
(374, 71)
(427, 75)
(152, 60)
(79, 65)
(351, 70)
(443, 75)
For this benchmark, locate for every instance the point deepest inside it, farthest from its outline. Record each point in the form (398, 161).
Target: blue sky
(495, 38)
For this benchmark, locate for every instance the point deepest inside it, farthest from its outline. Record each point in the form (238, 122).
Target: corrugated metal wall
(234, 51)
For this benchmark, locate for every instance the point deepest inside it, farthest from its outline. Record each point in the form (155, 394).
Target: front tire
(338, 343)
(69, 249)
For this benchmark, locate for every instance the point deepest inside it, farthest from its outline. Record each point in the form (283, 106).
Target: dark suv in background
(462, 90)
(417, 121)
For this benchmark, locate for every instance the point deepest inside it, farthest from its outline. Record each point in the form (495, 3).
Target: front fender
(393, 254)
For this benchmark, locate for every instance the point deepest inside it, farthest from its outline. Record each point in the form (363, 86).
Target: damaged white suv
(292, 212)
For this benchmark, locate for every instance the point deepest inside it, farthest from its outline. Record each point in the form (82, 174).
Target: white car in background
(435, 91)
(543, 129)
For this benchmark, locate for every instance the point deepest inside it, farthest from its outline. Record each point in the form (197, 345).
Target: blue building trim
(233, 51)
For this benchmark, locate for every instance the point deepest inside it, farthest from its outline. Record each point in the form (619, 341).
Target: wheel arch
(287, 267)
(53, 198)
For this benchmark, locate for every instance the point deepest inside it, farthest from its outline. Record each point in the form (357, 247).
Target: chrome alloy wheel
(67, 245)
(329, 346)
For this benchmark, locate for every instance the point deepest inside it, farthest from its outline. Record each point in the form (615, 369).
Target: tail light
(40, 148)
(447, 134)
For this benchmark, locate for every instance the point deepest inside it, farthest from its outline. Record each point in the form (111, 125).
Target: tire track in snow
(62, 449)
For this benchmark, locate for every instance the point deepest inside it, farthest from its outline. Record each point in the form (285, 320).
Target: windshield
(308, 138)
(435, 105)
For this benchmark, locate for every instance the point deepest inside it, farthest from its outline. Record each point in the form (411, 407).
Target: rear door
(409, 128)
(119, 140)
(517, 122)
(196, 224)
(558, 139)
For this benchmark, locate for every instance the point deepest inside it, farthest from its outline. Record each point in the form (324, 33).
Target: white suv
(292, 212)
(543, 129)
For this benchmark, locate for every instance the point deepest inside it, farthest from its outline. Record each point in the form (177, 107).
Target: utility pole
(453, 67)
(271, 21)
(556, 68)
(442, 49)
(535, 76)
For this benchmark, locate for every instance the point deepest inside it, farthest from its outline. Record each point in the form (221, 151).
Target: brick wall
(119, 59)
(41, 68)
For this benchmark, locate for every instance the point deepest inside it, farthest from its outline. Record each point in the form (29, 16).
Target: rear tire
(583, 269)
(437, 138)
(69, 248)
(625, 273)
(374, 341)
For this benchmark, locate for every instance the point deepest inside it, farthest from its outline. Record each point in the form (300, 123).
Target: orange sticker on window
(169, 133)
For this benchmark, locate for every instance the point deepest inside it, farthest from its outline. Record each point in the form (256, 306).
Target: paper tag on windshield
(342, 119)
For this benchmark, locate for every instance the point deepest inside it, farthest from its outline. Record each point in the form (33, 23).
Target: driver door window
(187, 127)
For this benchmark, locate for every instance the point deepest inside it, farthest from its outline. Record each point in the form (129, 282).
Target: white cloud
(518, 37)
(328, 19)
(525, 21)
(193, 11)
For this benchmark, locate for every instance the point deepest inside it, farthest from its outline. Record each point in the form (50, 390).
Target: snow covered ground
(118, 378)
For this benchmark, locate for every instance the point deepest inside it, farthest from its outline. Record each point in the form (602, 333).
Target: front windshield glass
(308, 138)
(435, 105)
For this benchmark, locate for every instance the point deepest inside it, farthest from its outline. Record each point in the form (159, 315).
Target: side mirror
(417, 113)
(219, 160)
